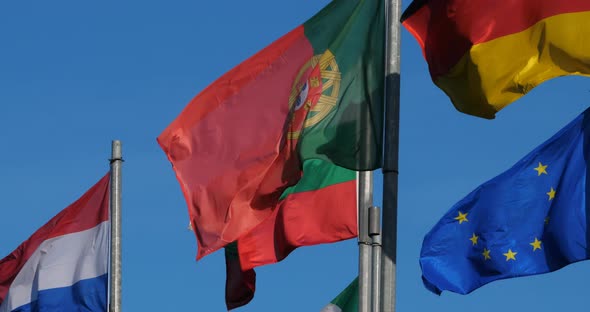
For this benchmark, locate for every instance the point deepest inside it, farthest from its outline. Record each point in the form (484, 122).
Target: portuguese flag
(315, 93)
(320, 208)
(486, 54)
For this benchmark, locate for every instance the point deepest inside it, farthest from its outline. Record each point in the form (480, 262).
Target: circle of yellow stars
(510, 254)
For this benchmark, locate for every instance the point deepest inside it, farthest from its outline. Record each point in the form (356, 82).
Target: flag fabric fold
(532, 219)
(347, 300)
(486, 54)
(320, 208)
(63, 265)
(240, 284)
(315, 93)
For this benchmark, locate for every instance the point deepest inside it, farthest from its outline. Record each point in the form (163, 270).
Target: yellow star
(473, 239)
(510, 255)
(547, 220)
(541, 169)
(486, 254)
(536, 244)
(462, 217)
(551, 194)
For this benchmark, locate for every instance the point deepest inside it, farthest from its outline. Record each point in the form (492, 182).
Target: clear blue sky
(76, 74)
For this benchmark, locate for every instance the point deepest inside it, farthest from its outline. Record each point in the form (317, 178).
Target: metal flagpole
(115, 269)
(390, 163)
(365, 201)
(375, 234)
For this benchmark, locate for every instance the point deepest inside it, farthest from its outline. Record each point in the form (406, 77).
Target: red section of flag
(447, 29)
(87, 212)
(308, 218)
(229, 147)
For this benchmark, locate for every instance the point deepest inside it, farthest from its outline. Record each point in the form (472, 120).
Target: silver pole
(115, 270)
(376, 273)
(365, 200)
(375, 234)
(390, 163)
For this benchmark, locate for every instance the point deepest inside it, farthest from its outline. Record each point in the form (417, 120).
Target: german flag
(485, 54)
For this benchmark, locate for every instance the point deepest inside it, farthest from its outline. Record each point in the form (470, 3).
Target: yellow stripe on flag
(495, 73)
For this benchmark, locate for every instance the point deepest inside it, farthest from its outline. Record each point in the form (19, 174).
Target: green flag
(347, 300)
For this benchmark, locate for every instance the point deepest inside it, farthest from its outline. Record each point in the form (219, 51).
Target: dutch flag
(63, 266)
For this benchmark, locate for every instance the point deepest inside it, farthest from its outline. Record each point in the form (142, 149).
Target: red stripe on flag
(447, 29)
(303, 219)
(87, 212)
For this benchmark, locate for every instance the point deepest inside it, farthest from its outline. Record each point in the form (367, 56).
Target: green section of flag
(351, 134)
(318, 174)
(347, 300)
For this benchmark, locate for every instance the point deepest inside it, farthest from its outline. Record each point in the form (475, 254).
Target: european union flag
(532, 219)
